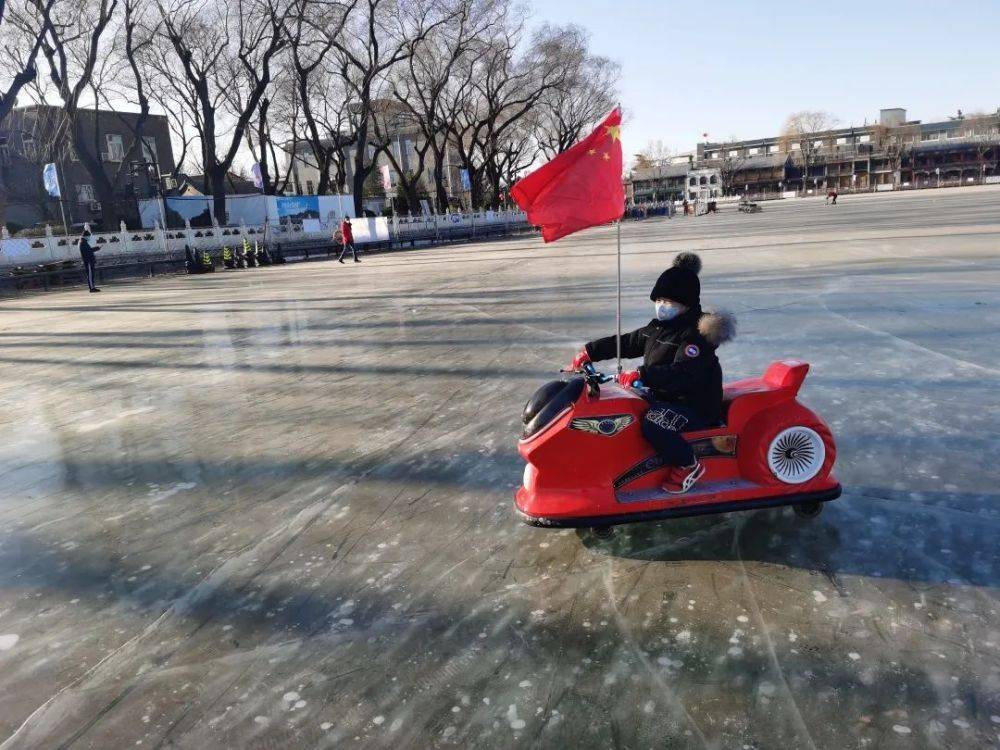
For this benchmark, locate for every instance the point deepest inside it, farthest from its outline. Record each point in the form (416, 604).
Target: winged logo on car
(606, 426)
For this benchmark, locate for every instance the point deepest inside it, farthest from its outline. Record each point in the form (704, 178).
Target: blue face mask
(668, 311)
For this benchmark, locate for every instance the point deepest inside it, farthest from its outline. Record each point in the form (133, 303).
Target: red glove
(580, 360)
(627, 379)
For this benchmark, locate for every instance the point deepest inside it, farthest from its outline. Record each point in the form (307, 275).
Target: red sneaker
(683, 478)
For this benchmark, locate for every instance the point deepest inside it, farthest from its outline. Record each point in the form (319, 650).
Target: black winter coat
(679, 363)
(86, 250)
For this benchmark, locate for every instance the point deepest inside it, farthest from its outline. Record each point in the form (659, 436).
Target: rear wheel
(808, 510)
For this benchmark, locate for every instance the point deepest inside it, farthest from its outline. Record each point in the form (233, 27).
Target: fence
(150, 245)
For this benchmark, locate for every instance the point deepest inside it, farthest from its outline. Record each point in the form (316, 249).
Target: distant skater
(87, 254)
(347, 240)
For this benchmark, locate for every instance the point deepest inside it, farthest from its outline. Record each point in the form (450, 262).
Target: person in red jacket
(348, 241)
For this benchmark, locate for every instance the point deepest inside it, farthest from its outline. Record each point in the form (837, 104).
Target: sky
(738, 69)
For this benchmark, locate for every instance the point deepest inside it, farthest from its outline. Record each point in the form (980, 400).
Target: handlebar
(595, 378)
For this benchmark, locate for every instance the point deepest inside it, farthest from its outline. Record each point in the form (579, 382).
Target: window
(85, 194)
(772, 149)
(704, 180)
(753, 151)
(116, 147)
(734, 152)
(955, 134)
(693, 181)
(149, 148)
(28, 145)
(933, 136)
(864, 139)
(713, 179)
(841, 141)
(796, 147)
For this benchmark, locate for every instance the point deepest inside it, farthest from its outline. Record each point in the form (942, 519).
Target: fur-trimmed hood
(717, 326)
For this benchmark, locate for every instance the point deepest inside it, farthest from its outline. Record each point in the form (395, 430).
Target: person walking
(87, 254)
(347, 240)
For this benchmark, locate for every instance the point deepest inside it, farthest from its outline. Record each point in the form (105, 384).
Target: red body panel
(576, 474)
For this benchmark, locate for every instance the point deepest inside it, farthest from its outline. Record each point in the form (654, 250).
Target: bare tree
(588, 91)
(23, 26)
(653, 154)
(225, 53)
(500, 89)
(383, 34)
(800, 134)
(422, 87)
(730, 161)
(90, 48)
(312, 28)
(895, 144)
(984, 131)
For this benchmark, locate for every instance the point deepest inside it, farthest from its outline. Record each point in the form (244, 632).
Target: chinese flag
(580, 188)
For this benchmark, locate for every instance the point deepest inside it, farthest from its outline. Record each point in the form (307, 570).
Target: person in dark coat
(89, 261)
(680, 367)
(348, 240)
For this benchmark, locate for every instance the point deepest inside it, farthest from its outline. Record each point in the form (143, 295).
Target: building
(677, 180)
(892, 154)
(37, 135)
(405, 138)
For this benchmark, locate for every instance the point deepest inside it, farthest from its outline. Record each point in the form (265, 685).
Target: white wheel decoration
(796, 455)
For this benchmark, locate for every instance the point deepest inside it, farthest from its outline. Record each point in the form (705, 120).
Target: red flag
(580, 188)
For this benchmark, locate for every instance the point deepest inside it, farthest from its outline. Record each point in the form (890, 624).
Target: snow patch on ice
(378, 720)
(854, 656)
(743, 618)
(818, 597)
(900, 729)
(8, 641)
(515, 723)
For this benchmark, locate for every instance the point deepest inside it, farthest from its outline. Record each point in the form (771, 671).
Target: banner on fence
(195, 209)
(297, 207)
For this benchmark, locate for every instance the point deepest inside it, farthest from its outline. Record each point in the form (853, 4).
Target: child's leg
(662, 427)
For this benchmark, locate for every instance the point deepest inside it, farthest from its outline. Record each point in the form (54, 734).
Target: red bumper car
(589, 466)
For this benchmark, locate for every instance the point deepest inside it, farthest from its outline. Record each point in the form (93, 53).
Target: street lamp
(937, 171)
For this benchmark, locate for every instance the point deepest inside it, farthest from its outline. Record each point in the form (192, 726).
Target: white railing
(156, 244)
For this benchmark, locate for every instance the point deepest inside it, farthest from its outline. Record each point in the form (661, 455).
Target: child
(679, 367)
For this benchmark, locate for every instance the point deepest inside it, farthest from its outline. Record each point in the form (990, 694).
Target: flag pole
(618, 335)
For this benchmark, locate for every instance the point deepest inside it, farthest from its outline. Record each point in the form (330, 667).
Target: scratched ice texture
(272, 508)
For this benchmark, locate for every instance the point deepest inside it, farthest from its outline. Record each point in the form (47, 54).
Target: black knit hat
(680, 282)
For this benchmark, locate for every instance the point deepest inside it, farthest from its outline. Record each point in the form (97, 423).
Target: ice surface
(271, 508)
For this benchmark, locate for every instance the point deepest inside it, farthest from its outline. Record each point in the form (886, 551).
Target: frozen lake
(272, 508)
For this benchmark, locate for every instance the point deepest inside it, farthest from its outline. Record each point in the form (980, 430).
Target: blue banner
(51, 180)
(466, 182)
(300, 207)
